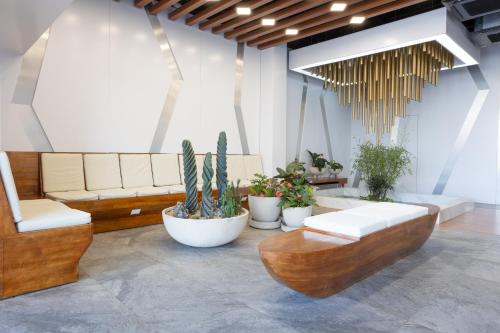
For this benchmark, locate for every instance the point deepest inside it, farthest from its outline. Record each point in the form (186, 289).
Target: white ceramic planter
(294, 217)
(205, 233)
(264, 209)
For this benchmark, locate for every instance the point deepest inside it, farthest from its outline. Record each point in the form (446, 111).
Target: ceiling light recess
(268, 21)
(338, 6)
(291, 32)
(243, 10)
(357, 19)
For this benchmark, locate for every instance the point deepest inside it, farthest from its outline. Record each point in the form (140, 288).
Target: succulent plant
(231, 200)
(190, 179)
(180, 211)
(221, 173)
(207, 201)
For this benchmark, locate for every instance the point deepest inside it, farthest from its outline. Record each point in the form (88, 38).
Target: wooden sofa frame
(36, 260)
(320, 264)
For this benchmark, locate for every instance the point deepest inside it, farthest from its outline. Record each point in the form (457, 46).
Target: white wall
(104, 80)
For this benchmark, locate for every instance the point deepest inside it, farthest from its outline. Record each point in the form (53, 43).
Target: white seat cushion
(72, 196)
(253, 165)
(10, 187)
(346, 224)
(151, 190)
(47, 214)
(102, 171)
(62, 172)
(176, 189)
(165, 169)
(393, 213)
(115, 193)
(235, 168)
(136, 170)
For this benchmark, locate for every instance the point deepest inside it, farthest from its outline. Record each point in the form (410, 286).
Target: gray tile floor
(140, 280)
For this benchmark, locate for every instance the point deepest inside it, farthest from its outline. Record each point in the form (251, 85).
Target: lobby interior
(250, 166)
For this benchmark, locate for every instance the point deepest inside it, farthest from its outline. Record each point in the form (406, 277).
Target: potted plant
(208, 223)
(263, 201)
(318, 163)
(380, 167)
(335, 168)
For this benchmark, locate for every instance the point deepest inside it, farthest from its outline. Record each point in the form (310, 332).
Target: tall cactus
(190, 179)
(221, 164)
(207, 202)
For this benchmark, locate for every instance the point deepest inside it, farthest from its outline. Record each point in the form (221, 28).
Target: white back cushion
(253, 165)
(345, 223)
(62, 172)
(136, 170)
(10, 187)
(165, 169)
(393, 213)
(235, 168)
(102, 171)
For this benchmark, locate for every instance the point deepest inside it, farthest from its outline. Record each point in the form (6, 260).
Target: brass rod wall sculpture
(378, 87)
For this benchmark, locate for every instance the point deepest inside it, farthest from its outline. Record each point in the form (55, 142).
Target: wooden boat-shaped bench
(319, 264)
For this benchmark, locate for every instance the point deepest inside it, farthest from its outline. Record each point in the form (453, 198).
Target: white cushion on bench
(47, 214)
(393, 213)
(253, 165)
(115, 193)
(235, 168)
(10, 187)
(165, 169)
(345, 223)
(102, 171)
(62, 172)
(72, 196)
(176, 188)
(136, 170)
(151, 190)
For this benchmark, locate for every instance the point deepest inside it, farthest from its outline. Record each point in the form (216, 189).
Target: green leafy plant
(334, 165)
(263, 186)
(221, 172)
(295, 169)
(207, 201)
(190, 179)
(230, 202)
(317, 160)
(296, 193)
(380, 167)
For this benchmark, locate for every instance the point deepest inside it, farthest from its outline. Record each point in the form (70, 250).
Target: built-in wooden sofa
(41, 241)
(112, 186)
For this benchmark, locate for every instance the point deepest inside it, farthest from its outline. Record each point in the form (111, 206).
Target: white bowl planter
(294, 217)
(264, 209)
(205, 233)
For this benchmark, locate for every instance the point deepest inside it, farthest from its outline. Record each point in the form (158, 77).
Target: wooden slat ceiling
(310, 17)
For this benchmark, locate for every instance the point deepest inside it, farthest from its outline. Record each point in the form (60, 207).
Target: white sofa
(41, 214)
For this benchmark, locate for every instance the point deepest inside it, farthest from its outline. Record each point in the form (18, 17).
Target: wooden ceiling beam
(331, 16)
(229, 14)
(211, 10)
(287, 12)
(162, 5)
(256, 15)
(291, 21)
(395, 5)
(141, 3)
(186, 8)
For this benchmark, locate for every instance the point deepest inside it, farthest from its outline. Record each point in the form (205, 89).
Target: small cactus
(207, 202)
(221, 165)
(180, 211)
(190, 179)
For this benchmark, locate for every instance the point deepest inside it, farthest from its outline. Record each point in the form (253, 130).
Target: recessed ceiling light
(268, 21)
(291, 32)
(338, 7)
(243, 10)
(357, 19)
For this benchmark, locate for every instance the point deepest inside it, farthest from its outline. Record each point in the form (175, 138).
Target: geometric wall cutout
(325, 125)
(240, 55)
(302, 115)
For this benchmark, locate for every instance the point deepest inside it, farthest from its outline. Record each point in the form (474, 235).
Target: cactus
(207, 202)
(221, 165)
(190, 179)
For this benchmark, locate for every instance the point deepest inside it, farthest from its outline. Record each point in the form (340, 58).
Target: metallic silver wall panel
(325, 125)
(302, 116)
(468, 124)
(30, 71)
(174, 87)
(240, 55)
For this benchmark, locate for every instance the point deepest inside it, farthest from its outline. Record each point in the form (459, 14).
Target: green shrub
(230, 201)
(263, 186)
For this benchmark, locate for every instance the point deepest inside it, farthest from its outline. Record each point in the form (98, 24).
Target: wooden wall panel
(26, 170)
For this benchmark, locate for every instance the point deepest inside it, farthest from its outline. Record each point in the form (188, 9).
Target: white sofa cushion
(102, 171)
(172, 189)
(150, 190)
(136, 170)
(235, 168)
(62, 172)
(72, 196)
(115, 193)
(345, 223)
(253, 165)
(393, 213)
(165, 169)
(47, 214)
(10, 187)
